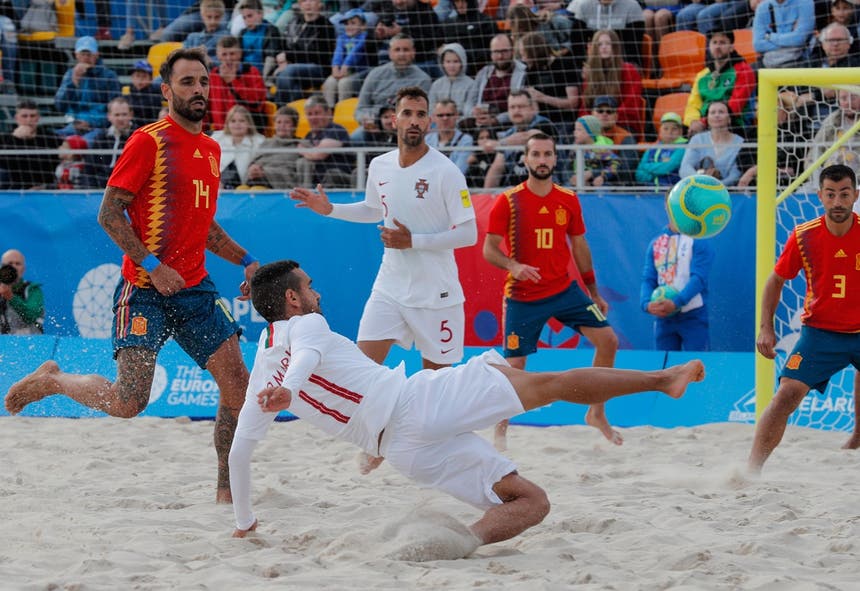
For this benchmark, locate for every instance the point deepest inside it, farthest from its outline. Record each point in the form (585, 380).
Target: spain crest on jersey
(561, 216)
(213, 166)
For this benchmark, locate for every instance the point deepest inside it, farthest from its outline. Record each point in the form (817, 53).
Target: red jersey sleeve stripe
(323, 409)
(335, 389)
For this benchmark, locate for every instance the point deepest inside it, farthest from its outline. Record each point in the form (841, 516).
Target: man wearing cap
(659, 166)
(606, 110)
(85, 90)
(726, 77)
(144, 97)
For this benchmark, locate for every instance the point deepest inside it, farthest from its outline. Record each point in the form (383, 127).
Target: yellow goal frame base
(769, 81)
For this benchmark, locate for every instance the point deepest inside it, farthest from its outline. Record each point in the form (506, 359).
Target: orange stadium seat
(271, 109)
(647, 55)
(675, 102)
(681, 55)
(744, 45)
(344, 113)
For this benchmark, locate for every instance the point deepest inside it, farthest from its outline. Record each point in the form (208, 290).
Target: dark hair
(251, 4)
(413, 92)
(28, 104)
(837, 172)
(724, 32)
(268, 286)
(289, 112)
(228, 41)
(197, 54)
(540, 136)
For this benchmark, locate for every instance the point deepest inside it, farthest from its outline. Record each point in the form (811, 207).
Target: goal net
(800, 130)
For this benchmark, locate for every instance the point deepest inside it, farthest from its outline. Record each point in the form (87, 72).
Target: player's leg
(522, 323)
(380, 327)
(771, 425)
(438, 333)
(854, 440)
(228, 369)
(605, 346)
(524, 504)
(500, 433)
(206, 330)
(595, 385)
(125, 398)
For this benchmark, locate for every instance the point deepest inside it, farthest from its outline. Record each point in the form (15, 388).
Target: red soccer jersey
(174, 176)
(536, 231)
(831, 265)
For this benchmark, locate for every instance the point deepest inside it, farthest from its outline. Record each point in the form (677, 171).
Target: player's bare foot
(853, 442)
(241, 533)
(500, 436)
(680, 376)
(223, 496)
(368, 463)
(33, 387)
(597, 419)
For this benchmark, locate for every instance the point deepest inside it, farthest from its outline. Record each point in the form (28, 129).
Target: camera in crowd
(8, 274)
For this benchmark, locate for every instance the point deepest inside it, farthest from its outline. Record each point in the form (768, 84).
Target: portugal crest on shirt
(421, 187)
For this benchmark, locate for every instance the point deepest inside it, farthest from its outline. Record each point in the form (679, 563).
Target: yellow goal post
(769, 196)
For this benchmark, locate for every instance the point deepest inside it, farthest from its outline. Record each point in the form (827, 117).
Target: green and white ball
(664, 292)
(699, 206)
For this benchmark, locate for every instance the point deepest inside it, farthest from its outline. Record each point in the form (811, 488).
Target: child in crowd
(143, 96)
(601, 164)
(70, 170)
(349, 63)
(214, 27)
(261, 40)
(659, 166)
(478, 162)
(454, 84)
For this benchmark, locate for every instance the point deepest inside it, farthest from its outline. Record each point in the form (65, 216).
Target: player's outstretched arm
(274, 398)
(315, 200)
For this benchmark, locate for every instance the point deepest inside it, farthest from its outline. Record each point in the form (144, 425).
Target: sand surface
(111, 504)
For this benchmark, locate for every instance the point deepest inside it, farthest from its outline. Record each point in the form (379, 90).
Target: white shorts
(429, 437)
(253, 421)
(437, 333)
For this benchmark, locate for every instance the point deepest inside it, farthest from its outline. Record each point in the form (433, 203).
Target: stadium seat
(271, 108)
(304, 127)
(647, 55)
(159, 52)
(681, 55)
(744, 45)
(675, 102)
(65, 10)
(344, 113)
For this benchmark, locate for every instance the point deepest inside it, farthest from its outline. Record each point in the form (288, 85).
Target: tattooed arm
(220, 243)
(114, 221)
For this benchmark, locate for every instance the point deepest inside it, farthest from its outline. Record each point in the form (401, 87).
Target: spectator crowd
(585, 73)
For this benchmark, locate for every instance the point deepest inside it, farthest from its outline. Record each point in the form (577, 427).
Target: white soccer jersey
(428, 197)
(347, 395)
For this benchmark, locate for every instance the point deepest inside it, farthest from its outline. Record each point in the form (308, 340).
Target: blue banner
(78, 265)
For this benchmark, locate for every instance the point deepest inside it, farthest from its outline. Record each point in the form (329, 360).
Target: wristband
(247, 259)
(150, 263)
(588, 277)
